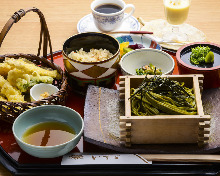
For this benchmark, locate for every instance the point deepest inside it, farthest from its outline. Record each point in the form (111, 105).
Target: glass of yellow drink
(176, 13)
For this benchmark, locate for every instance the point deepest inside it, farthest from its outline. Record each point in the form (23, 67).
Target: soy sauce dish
(48, 131)
(210, 71)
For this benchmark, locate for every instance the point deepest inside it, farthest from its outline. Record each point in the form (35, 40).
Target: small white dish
(38, 89)
(86, 24)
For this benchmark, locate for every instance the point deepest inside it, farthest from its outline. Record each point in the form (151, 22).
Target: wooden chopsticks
(181, 157)
(130, 32)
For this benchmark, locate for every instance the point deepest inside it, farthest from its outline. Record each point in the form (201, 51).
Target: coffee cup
(108, 15)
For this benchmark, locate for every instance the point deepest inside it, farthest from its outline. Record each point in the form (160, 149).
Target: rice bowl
(94, 55)
(99, 72)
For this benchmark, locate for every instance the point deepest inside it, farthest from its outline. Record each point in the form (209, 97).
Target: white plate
(86, 24)
(156, 26)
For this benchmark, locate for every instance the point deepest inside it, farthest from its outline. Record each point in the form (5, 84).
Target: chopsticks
(130, 32)
(181, 157)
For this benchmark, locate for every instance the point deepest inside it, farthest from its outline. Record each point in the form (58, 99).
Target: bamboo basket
(163, 129)
(10, 110)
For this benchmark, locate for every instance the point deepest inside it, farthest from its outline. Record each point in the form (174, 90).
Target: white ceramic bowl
(38, 89)
(48, 113)
(138, 58)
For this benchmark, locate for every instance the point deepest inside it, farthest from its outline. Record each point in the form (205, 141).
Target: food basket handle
(44, 33)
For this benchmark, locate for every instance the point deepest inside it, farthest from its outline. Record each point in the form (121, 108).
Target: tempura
(29, 68)
(8, 90)
(4, 69)
(24, 82)
(17, 76)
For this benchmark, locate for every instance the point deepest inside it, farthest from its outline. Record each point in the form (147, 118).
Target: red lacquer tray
(18, 162)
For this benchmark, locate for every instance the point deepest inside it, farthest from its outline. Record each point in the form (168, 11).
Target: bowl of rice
(91, 58)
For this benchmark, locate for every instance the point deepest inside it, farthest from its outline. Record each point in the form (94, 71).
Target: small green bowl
(48, 113)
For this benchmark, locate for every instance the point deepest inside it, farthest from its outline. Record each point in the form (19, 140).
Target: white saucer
(86, 24)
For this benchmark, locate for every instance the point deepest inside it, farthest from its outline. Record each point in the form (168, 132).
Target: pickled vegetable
(136, 46)
(122, 46)
(126, 50)
(199, 53)
(125, 47)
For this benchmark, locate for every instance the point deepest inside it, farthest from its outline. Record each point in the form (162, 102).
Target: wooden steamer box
(163, 129)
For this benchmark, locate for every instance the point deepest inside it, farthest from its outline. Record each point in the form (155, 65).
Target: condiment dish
(37, 91)
(48, 113)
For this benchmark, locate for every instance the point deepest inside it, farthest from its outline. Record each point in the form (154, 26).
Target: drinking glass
(176, 12)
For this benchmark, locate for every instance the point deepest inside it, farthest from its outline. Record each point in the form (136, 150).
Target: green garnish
(201, 55)
(148, 70)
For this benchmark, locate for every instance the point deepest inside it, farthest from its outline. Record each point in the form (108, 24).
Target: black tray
(156, 168)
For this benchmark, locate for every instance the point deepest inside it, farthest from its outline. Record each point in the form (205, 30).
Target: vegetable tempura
(4, 69)
(29, 68)
(11, 93)
(24, 82)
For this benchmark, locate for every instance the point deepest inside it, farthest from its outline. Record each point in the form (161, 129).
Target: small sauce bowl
(37, 90)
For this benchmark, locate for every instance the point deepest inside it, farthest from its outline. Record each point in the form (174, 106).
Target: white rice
(95, 55)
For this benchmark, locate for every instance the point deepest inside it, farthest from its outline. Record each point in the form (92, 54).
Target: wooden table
(62, 18)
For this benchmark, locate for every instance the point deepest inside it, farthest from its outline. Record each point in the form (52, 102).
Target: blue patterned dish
(139, 39)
